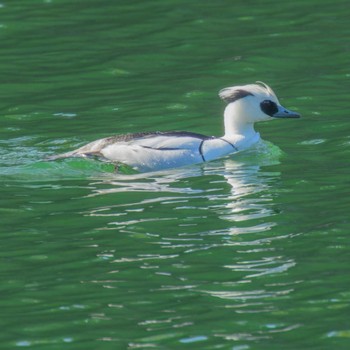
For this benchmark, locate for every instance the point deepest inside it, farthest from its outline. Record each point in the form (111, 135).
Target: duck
(162, 150)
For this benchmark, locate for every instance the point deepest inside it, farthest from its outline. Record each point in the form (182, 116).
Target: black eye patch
(269, 107)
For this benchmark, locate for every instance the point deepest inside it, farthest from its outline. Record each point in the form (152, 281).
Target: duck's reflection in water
(237, 190)
(207, 231)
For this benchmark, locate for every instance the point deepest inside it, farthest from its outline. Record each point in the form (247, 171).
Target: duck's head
(253, 103)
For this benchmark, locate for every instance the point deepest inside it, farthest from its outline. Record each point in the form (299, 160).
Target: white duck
(152, 151)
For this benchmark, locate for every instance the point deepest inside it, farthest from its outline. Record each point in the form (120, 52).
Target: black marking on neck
(200, 149)
(233, 146)
(229, 95)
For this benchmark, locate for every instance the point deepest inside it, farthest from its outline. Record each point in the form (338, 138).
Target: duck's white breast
(216, 148)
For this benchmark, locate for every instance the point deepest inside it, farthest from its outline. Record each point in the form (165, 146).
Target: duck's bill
(285, 113)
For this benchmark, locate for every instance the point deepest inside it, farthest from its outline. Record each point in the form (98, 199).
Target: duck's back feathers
(156, 140)
(148, 135)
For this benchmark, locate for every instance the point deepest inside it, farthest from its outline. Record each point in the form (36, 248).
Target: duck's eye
(269, 107)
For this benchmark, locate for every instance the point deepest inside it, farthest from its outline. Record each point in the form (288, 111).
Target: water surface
(246, 252)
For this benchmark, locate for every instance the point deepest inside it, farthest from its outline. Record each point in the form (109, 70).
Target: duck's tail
(63, 155)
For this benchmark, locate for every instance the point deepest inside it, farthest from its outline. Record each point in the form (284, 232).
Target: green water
(246, 252)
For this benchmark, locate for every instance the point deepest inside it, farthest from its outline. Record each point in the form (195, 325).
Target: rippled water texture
(246, 252)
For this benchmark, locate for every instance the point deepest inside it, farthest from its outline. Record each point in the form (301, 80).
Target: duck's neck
(238, 131)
